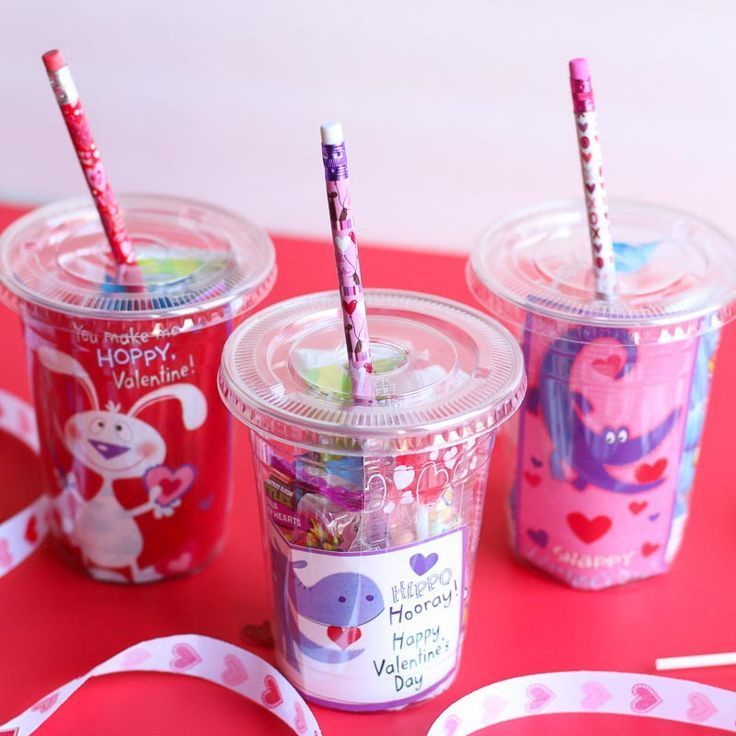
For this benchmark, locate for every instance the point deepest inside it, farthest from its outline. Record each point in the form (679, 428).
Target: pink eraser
(579, 69)
(53, 60)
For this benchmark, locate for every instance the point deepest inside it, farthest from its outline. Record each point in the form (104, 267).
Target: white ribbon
(21, 535)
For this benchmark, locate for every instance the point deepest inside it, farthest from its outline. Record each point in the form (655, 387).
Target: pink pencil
(591, 163)
(89, 157)
(346, 257)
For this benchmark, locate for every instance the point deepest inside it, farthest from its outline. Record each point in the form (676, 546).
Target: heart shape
(493, 706)
(649, 548)
(300, 720)
(648, 473)
(636, 507)
(654, 517)
(170, 484)
(701, 708)
(590, 187)
(451, 725)
(403, 476)
(645, 698)
(46, 703)
(587, 157)
(234, 673)
(344, 636)
(588, 530)
(533, 479)
(449, 458)
(182, 563)
(608, 367)
(536, 462)
(133, 658)
(539, 695)
(421, 564)
(6, 559)
(258, 634)
(538, 536)
(185, 657)
(583, 127)
(31, 532)
(594, 695)
(271, 696)
(343, 242)
(431, 483)
(350, 306)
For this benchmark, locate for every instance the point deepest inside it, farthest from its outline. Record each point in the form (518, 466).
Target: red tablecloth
(56, 624)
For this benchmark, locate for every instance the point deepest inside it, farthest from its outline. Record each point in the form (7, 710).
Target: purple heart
(654, 517)
(538, 536)
(421, 564)
(536, 462)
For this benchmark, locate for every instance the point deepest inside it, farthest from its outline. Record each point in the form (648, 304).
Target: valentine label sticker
(371, 629)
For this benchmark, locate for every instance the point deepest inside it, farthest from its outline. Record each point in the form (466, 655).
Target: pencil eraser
(53, 60)
(332, 134)
(579, 69)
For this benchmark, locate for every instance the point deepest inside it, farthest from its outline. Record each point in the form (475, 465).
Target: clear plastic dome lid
(676, 274)
(442, 373)
(192, 258)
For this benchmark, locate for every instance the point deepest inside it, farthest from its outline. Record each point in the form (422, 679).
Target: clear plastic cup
(135, 443)
(607, 442)
(371, 513)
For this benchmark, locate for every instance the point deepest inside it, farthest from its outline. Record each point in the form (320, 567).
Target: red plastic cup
(135, 443)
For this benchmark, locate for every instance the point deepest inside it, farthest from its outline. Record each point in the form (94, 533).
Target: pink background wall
(456, 112)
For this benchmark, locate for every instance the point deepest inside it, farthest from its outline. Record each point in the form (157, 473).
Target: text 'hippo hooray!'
(424, 623)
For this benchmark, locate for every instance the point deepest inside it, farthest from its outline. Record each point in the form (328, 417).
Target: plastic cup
(371, 513)
(135, 444)
(607, 442)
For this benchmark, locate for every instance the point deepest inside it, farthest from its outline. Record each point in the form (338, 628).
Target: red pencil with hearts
(348, 264)
(594, 185)
(89, 157)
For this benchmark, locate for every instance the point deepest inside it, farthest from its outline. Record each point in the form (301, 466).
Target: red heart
(533, 479)
(173, 484)
(590, 187)
(636, 507)
(432, 483)
(588, 530)
(344, 637)
(587, 157)
(583, 126)
(647, 473)
(31, 533)
(608, 367)
(350, 306)
(649, 549)
(645, 698)
(271, 696)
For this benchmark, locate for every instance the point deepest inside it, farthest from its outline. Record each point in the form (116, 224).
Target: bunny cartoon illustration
(117, 446)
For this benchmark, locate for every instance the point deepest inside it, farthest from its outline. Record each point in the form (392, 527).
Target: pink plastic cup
(608, 439)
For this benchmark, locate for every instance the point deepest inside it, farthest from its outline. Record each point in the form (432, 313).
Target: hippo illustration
(343, 599)
(576, 445)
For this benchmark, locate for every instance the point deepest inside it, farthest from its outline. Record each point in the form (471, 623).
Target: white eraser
(332, 133)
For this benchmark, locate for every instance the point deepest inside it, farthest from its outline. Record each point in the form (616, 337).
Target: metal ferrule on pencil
(335, 161)
(582, 95)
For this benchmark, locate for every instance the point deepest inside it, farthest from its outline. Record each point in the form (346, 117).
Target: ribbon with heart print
(21, 535)
(227, 665)
(196, 656)
(613, 693)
